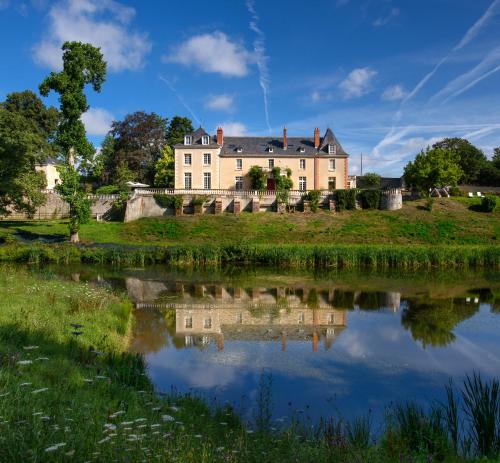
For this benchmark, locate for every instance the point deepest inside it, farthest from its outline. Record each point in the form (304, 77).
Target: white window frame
(188, 175)
(332, 180)
(332, 149)
(302, 183)
(302, 150)
(186, 157)
(331, 165)
(270, 163)
(207, 323)
(205, 163)
(239, 150)
(188, 140)
(238, 183)
(271, 149)
(239, 164)
(188, 323)
(207, 175)
(302, 163)
(205, 140)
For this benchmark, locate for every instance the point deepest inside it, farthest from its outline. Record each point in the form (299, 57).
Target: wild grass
(70, 391)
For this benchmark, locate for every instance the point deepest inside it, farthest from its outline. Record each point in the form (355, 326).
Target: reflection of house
(300, 324)
(49, 168)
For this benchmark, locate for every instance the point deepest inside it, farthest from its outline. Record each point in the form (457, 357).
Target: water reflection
(333, 343)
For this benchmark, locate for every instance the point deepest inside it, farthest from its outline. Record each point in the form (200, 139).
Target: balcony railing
(219, 192)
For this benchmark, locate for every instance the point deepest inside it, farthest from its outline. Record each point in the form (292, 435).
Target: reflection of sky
(373, 362)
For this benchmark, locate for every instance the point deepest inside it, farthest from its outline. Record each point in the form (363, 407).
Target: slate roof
(259, 146)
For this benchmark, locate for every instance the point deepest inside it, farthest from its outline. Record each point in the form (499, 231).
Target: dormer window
(188, 140)
(332, 149)
(302, 150)
(270, 149)
(239, 149)
(205, 140)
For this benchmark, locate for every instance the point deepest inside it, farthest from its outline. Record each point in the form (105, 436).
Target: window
(331, 319)
(332, 149)
(239, 164)
(239, 183)
(239, 149)
(271, 163)
(188, 140)
(207, 159)
(188, 340)
(207, 180)
(302, 184)
(188, 322)
(302, 164)
(332, 183)
(205, 140)
(270, 149)
(331, 164)
(187, 159)
(208, 323)
(239, 318)
(302, 150)
(301, 319)
(188, 180)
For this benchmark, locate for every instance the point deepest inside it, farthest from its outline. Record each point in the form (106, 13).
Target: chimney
(316, 138)
(285, 143)
(220, 136)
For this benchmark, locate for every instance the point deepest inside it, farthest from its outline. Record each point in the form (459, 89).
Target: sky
(389, 77)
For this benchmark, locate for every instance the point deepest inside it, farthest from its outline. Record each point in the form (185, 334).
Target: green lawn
(451, 222)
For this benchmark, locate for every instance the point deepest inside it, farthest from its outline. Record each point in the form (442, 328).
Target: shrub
(107, 190)
(370, 199)
(455, 191)
(258, 178)
(351, 199)
(371, 180)
(488, 204)
(429, 204)
(313, 197)
(198, 200)
(168, 201)
(341, 200)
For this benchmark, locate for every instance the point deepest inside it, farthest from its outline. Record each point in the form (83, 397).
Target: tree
(83, 65)
(103, 161)
(165, 169)
(371, 180)
(496, 158)
(139, 141)
(471, 161)
(258, 178)
(178, 127)
(434, 167)
(26, 132)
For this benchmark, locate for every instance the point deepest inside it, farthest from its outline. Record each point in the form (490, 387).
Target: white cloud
(394, 93)
(358, 82)
(4, 4)
(384, 20)
(97, 121)
(316, 96)
(234, 129)
(214, 53)
(220, 102)
(103, 23)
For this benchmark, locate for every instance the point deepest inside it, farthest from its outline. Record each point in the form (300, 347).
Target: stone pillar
(331, 205)
(280, 207)
(218, 205)
(255, 205)
(237, 205)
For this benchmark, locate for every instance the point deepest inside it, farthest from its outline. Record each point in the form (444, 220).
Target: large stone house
(209, 162)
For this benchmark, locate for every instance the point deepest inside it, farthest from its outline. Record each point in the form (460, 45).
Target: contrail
(180, 98)
(259, 46)
(466, 39)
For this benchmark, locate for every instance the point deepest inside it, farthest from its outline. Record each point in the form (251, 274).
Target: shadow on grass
(30, 236)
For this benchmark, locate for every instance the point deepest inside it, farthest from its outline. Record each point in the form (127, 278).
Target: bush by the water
(488, 203)
(313, 197)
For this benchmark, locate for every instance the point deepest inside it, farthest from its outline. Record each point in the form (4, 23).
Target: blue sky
(388, 76)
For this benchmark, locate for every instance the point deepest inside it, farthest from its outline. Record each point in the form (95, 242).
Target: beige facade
(51, 174)
(224, 163)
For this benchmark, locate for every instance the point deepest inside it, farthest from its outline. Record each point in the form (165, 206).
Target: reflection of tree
(151, 331)
(432, 322)
(343, 299)
(370, 300)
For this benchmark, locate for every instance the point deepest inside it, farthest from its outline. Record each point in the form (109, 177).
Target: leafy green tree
(83, 65)
(26, 131)
(471, 158)
(434, 167)
(179, 126)
(371, 180)
(103, 161)
(139, 141)
(258, 178)
(165, 169)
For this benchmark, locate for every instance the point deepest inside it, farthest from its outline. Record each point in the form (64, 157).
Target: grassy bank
(81, 397)
(291, 255)
(451, 222)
